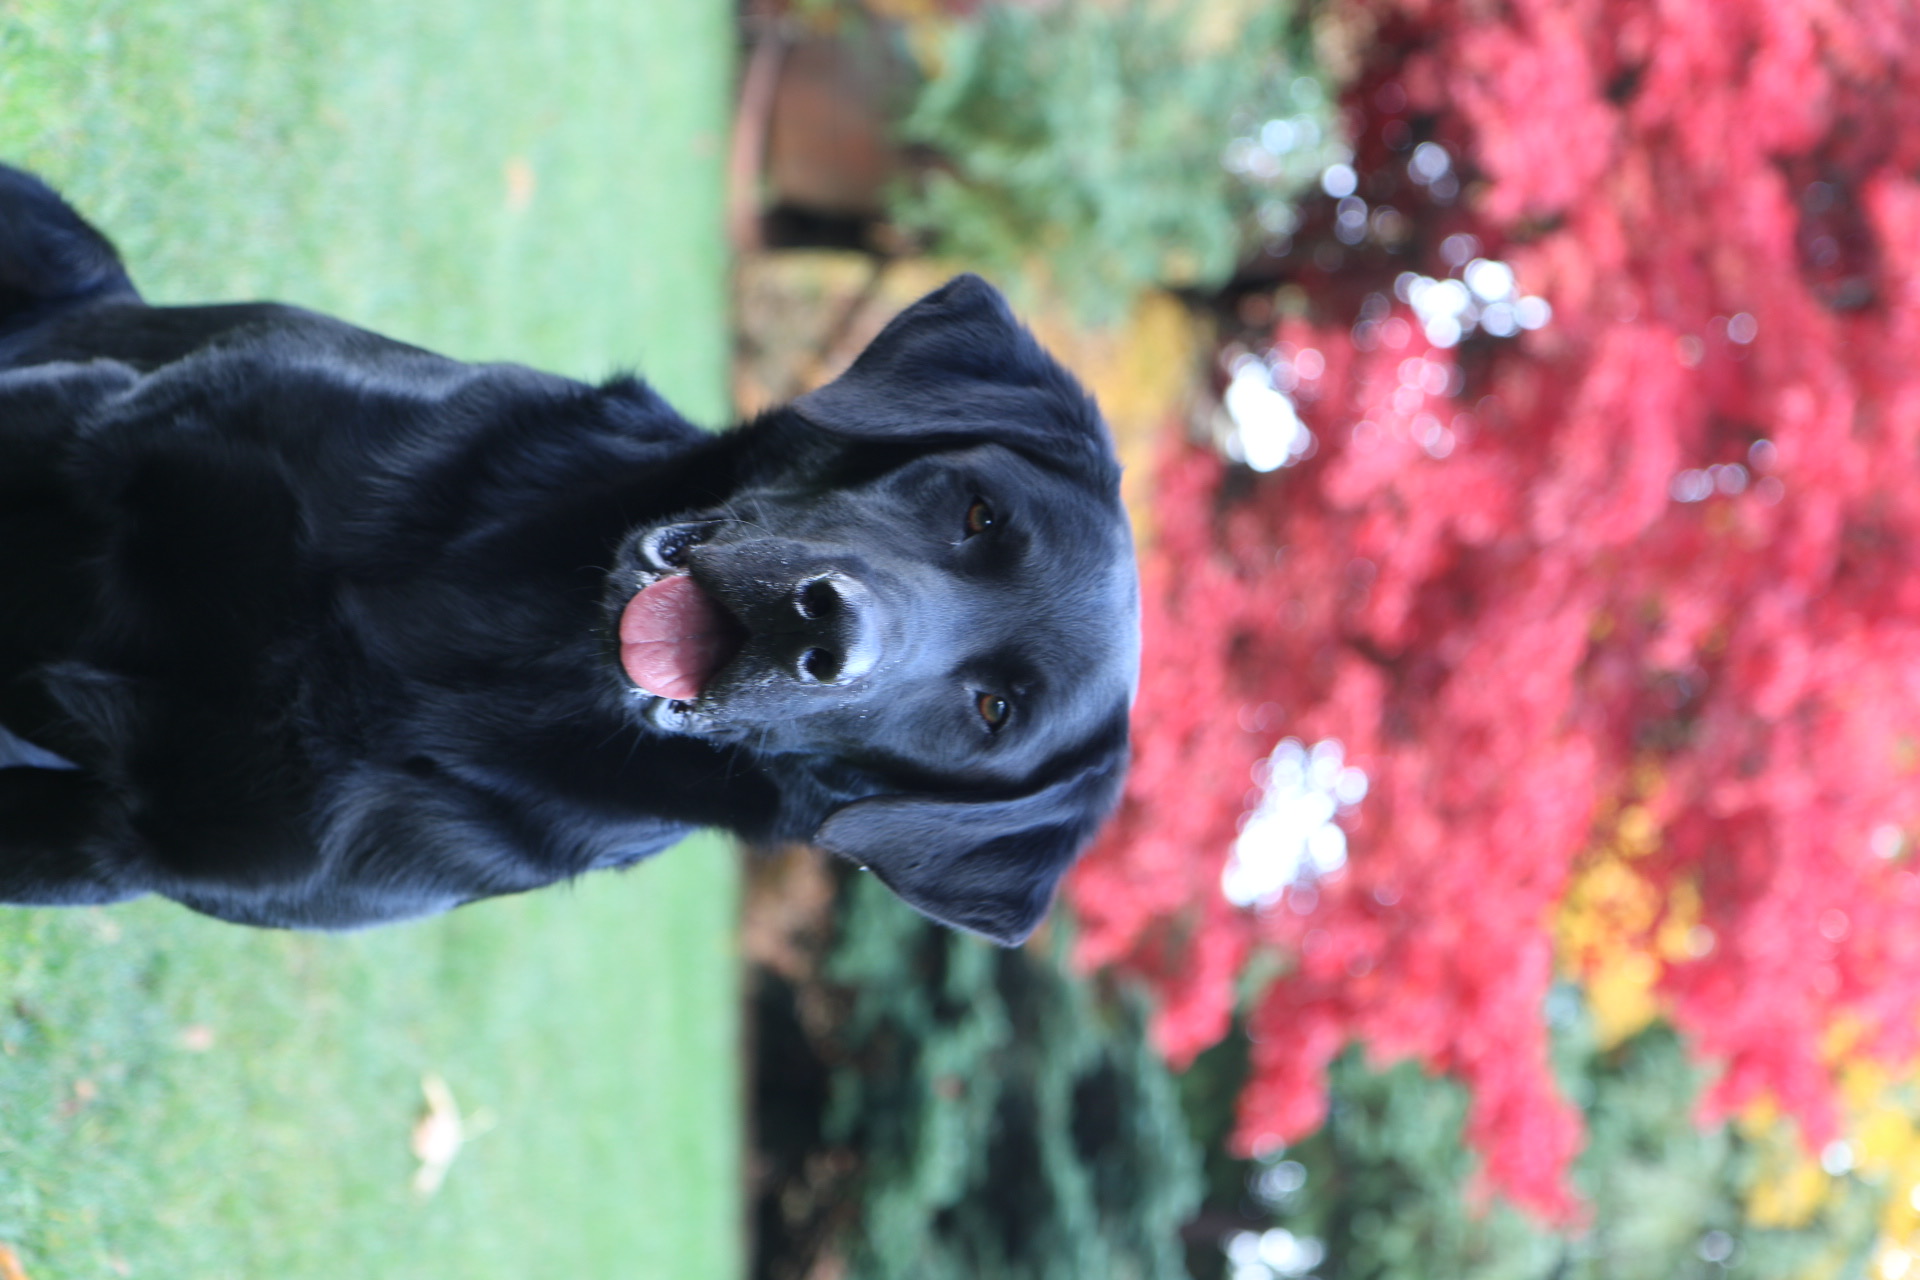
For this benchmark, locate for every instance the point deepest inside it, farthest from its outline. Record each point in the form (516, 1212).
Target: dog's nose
(839, 635)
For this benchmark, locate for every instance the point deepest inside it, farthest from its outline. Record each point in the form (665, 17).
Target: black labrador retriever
(304, 627)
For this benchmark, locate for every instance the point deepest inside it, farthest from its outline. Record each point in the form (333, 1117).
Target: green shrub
(1110, 147)
(1010, 1122)
(1388, 1190)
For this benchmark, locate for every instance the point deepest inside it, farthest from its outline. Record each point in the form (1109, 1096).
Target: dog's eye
(993, 708)
(980, 518)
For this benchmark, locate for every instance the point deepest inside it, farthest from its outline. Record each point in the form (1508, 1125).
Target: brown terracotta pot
(816, 126)
(830, 144)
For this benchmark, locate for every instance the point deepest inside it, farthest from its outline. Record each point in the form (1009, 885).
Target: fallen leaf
(440, 1133)
(84, 1092)
(520, 183)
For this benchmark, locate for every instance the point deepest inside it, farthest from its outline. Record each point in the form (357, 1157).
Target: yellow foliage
(1637, 835)
(1883, 1140)
(1886, 1143)
(1617, 929)
(1141, 373)
(1842, 1039)
(1758, 1118)
(1790, 1187)
(1620, 997)
(1790, 1197)
(1681, 935)
(1613, 929)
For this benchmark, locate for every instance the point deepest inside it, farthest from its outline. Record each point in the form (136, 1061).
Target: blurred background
(1517, 875)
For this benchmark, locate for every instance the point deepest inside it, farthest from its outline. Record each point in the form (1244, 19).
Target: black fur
(304, 627)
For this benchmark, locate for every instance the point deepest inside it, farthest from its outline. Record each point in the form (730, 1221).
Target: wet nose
(838, 637)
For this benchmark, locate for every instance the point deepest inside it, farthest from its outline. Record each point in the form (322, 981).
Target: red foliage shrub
(1664, 551)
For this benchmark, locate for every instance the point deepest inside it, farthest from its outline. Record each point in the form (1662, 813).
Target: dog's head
(920, 612)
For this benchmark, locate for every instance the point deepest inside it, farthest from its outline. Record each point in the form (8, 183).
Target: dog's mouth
(674, 638)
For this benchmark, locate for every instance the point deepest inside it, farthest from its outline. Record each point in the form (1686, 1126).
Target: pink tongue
(673, 638)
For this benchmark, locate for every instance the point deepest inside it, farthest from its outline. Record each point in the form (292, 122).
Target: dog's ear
(957, 367)
(987, 866)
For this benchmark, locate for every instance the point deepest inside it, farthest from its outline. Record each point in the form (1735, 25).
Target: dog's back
(50, 257)
(51, 263)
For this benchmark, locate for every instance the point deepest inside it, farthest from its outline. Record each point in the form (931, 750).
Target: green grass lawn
(181, 1098)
